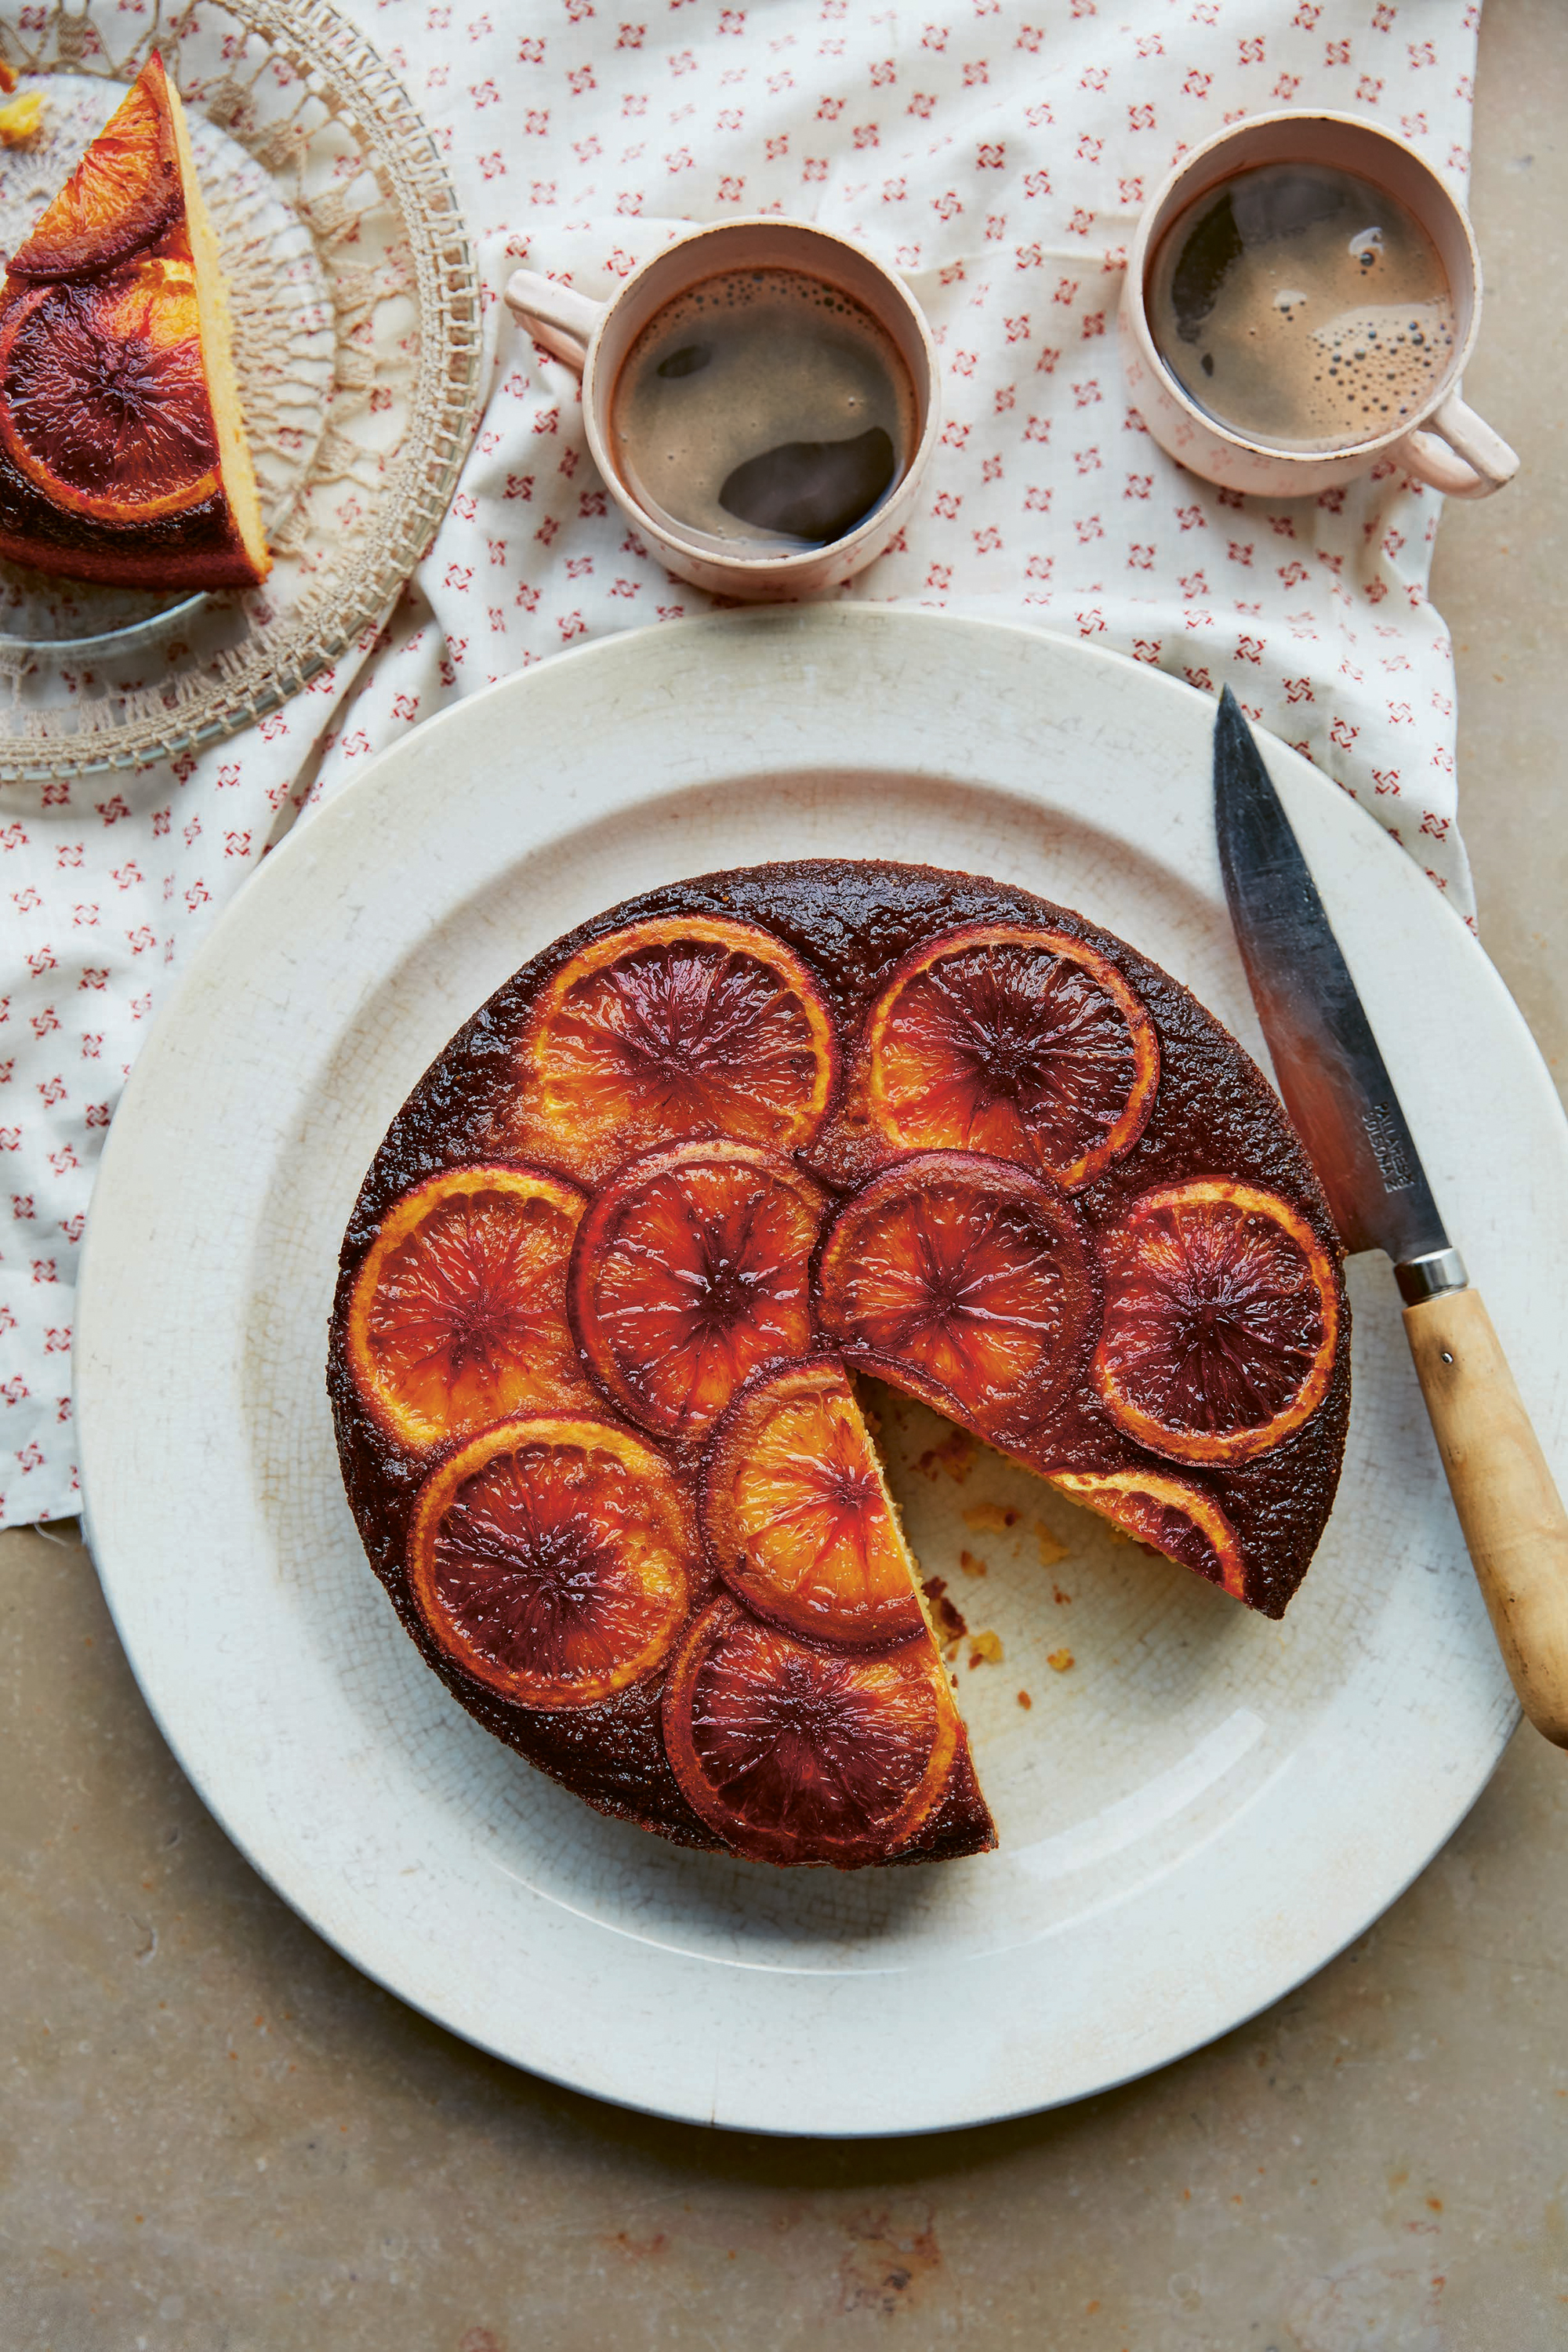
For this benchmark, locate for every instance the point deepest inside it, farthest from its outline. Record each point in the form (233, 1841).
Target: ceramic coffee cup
(1447, 444)
(597, 337)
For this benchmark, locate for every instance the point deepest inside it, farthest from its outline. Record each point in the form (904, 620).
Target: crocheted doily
(357, 340)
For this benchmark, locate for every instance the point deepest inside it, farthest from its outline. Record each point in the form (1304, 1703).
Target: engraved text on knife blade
(1388, 1147)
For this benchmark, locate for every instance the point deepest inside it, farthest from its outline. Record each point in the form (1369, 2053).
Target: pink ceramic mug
(1447, 444)
(596, 338)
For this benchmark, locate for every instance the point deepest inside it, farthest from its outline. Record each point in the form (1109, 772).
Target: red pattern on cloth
(997, 150)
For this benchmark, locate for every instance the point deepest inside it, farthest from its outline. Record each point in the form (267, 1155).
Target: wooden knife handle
(1511, 1513)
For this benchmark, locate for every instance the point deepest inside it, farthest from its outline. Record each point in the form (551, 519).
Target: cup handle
(562, 321)
(1460, 455)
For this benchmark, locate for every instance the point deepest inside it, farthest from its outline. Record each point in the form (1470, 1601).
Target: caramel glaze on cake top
(851, 924)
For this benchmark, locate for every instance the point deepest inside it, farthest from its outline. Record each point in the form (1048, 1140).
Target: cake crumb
(991, 1518)
(1059, 1661)
(1060, 1597)
(1025, 1700)
(955, 1454)
(950, 1624)
(971, 1564)
(988, 1646)
(21, 118)
(1051, 1551)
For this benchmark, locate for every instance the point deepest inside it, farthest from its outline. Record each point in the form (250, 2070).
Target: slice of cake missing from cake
(122, 450)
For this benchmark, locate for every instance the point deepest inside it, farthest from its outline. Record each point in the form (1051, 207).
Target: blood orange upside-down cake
(122, 451)
(616, 1266)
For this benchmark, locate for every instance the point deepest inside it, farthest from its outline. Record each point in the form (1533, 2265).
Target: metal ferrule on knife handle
(1420, 1278)
(1341, 1097)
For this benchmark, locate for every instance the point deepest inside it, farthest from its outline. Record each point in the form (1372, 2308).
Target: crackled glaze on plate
(1195, 1814)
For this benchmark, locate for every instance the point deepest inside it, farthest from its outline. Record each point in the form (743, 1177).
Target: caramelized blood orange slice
(103, 397)
(1024, 1044)
(689, 1275)
(972, 1274)
(120, 196)
(458, 1317)
(1221, 1320)
(548, 1558)
(689, 1026)
(796, 1515)
(1175, 1518)
(795, 1754)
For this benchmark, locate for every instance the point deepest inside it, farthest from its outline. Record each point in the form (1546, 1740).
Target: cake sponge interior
(238, 473)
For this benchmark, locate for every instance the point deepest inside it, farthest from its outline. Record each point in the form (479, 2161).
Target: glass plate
(357, 340)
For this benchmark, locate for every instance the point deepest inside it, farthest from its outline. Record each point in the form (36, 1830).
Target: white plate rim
(116, 1348)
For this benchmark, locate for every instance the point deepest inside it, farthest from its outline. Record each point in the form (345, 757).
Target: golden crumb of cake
(986, 1647)
(1050, 1549)
(987, 1517)
(955, 1454)
(1059, 1661)
(971, 1564)
(21, 119)
(1025, 1700)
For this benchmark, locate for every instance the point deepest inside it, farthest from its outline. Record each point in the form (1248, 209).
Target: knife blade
(1331, 1073)
(1338, 1091)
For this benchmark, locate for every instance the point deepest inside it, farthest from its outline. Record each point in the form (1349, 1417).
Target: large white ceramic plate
(1195, 1816)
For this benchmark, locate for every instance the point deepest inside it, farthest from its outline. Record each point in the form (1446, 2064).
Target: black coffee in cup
(765, 410)
(1302, 307)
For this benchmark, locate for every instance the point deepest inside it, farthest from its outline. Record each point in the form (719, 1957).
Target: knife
(1338, 1094)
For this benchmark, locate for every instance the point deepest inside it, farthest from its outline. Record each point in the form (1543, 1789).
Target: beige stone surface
(217, 2137)
(1500, 578)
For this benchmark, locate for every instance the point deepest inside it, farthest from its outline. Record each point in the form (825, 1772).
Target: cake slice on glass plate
(122, 450)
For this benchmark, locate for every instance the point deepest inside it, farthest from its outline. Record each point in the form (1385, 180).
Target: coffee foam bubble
(1378, 366)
